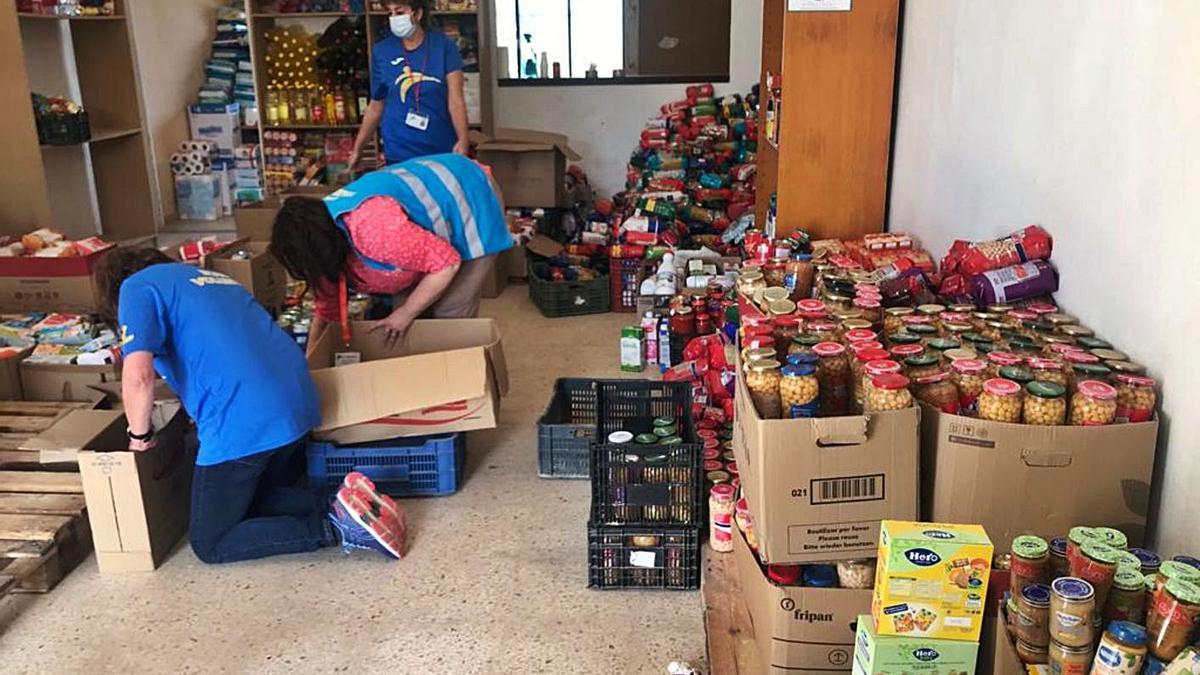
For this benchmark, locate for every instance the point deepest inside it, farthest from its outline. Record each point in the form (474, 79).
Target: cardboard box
(445, 376)
(512, 262)
(137, 502)
(874, 653)
(497, 280)
(530, 166)
(1010, 478)
(10, 374)
(931, 580)
(31, 284)
(221, 124)
(997, 652)
(819, 487)
(263, 275)
(65, 382)
(255, 221)
(799, 629)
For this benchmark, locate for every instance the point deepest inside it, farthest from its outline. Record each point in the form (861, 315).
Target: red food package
(688, 370)
(698, 349)
(727, 406)
(1031, 243)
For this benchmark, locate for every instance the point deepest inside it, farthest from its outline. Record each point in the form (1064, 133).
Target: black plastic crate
(557, 299)
(64, 129)
(653, 483)
(567, 430)
(646, 557)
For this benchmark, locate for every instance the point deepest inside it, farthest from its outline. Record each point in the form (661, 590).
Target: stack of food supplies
(61, 338)
(47, 243)
(1004, 271)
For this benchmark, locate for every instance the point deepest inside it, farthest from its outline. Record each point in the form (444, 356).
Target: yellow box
(931, 580)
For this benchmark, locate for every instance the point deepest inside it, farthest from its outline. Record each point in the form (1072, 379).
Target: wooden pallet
(727, 625)
(44, 530)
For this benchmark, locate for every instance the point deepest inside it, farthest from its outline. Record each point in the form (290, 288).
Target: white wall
(172, 40)
(1081, 117)
(605, 122)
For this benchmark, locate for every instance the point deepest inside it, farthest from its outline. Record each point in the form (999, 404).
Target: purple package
(1015, 283)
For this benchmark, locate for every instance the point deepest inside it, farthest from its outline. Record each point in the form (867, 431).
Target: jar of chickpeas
(938, 391)
(931, 310)
(870, 308)
(940, 346)
(857, 371)
(1045, 404)
(787, 327)
(959, 354)
(847, 315)
(968, 376)
(903, 338)
(888, 391)
(798, 391)
(855, 347)
(854, 335)
(1024, 347)
(998, 360)
(1017, 318)
(1088, 371)
(1059, 319)
(956, 330)
(1125, 368)
(1019, 374)
(811, 306)
(760, 354)
(1000, 401)
(921, 366)
(1048, 370)
(926, 333)
(1109, 354)
(826, 330)
(762, 379)
(992, 329)
(803, 343)
(901, 352)
(1135, 398)
(893, 318)
(1093, 404)
(875, 369)
(916, 320)
(777, 298)
(979, 319)
(1055, 339)
(833, 379)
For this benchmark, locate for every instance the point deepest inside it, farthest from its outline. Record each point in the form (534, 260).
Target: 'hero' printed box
(876, 655)
(931, 580)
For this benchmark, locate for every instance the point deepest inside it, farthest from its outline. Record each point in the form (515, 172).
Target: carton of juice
(877, 655)
(931, 580)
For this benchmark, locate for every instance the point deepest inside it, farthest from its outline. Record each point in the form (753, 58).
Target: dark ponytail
(307, 241)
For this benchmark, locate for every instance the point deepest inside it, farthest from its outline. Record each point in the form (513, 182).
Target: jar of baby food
(798, 391)
(1033, 614)
(888, 392)
(1173, 569)
(1150, 561)
(1030, 563)
(1122, 650)
(1127, 599)
(1032, 655)
(856, 574)
(1077, 537)
(1058, 558)
(1172, 619)
(893, 318)
(938, 391)
(833, 378)
(1135, 398)
(1112, 536)
(762, 379)
(1066, 660)
(1048, 370)
(1000, 401)
(1072, 603)
(1097, 565)
(1094, 404)
(968, 376)
(803, 343)
(1045, 404)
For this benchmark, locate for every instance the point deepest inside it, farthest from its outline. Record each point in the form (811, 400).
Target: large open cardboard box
(31, 284)
(818, 488)
(530, 166)
(138, 502)
(797, 629)
(1019, 479)
(445, 376)
(263, 275)
(65, 381)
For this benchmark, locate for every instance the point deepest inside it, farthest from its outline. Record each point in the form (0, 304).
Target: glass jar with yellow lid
(772, 295)
(762, 380)
(1060, 319)
(893, 318)
(1075, 331)
(1125, 368)
(942, 345)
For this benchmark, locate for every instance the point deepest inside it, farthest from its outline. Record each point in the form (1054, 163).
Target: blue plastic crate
(425, 466)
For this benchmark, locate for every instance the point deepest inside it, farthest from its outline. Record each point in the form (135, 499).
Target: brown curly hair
(113, 269)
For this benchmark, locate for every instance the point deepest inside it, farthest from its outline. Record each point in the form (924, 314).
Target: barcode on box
(846, 489)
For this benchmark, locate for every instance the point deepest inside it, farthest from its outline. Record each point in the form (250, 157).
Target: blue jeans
(250, 508)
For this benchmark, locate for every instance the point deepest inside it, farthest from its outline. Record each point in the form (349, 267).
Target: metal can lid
(732, 468)
(713, 465)
(1173, 569)
(811, 305)
(998, 386)
(820, 576)
(1080, 534)
(1076, 331)
(1094, 343)
(922, 360)
(1097, 390)
(890, 381)
(781, 306)
(1004, 358)
(1128, 632)
(712, 454)
(664, 421)
(1112, 536)
(1184, 591)
(857, 347)
(1078, 357)
(1128, 578)
(931, 309)
(866, 303)
(903, 338)
(1060, 318)
(1100, 552)
(943, 344)
(859, 335)
(802, 359)
(1019, 374)
(806, 339)
(1110, 355)
(1126, 367)
(763, 365)
(671, 440)
(969, 366)
(1073, 589)
(933, 378)
(645, 439)
(803, 370)
(1058, 546)
(960, 354)
(1030, 546)
(1187, 560)
(1037, 595)
(786, 321)
(620, 437)
(868, 355)
(1042, 308)
(905, 351)
(822, 326)
(881, 367)
(828, 349)
(1149, 559)
(1042, 389)
(722, 491)
(921, 330)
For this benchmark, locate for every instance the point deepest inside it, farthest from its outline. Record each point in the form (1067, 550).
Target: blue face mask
(402, 25)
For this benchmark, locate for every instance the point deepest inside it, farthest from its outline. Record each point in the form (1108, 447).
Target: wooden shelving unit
(102, 186)
(376, 29)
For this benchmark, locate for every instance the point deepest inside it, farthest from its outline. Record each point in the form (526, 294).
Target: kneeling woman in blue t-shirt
(246, 385)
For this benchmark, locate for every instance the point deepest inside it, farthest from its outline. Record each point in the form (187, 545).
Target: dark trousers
(250, 508)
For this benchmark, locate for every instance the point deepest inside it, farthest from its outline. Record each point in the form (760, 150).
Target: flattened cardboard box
(1010, 478)
(263, 275)
(138, 502)
(797, 629)
(819, 487)
(445, 376)
(64, 381)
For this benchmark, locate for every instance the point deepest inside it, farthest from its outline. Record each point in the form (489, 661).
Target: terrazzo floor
(495, 581)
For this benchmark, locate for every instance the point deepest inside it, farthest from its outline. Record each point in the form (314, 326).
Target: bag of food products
(969, 259)
(1015, 283)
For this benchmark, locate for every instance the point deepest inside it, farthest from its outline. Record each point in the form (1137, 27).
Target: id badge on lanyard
(415, 119)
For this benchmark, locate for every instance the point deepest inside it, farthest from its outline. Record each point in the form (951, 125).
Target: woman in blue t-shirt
(416, 90)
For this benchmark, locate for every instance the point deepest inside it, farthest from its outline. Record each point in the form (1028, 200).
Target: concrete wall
(1081, 117)
(172, 40)
(604, 122)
